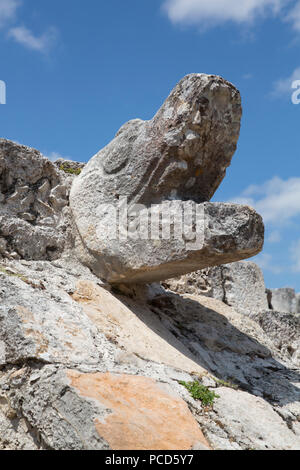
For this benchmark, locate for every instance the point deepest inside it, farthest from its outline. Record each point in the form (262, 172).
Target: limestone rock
(72, 365)
(81, 411)
(33, 324)
(242, 415)
(284, 330)
(228, 233)
(15, 433)
(206, 282)
(138, 402)
(244, 287)
(166, 167)
(120, 321)
(240, 285)
(185, 148)
(284, 300)
(33, 204)
(298, 303)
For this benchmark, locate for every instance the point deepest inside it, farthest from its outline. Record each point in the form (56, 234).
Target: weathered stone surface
(240, 285)
(298, 303)
(86, 365)
(230, 232)
(284, 300)
(284, 330)
(33, 204)
(139, 403)
(174, 162)
(208, 282)
(46, 326)
(193, 136)
(241, 415)
(244, 287)
(15, 433)
(96, 411)
(56, 394)
(120, 322)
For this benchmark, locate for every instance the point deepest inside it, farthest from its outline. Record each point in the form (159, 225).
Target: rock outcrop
(284, 300)
(34, 199)
(240, 285)
(84, 364)
(73, 365)
(284, 331)
(157, 175)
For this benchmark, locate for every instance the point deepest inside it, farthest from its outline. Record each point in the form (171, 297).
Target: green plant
(71, 171)
(200, 392)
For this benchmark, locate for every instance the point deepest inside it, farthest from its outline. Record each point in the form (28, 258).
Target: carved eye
(115, 163)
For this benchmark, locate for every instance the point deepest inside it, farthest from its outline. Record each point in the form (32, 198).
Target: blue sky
(76, 71)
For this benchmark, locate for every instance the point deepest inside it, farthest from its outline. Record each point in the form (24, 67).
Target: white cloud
(53, 156)
(8, 10)
(277, 200)
(212, 12)
(266, 263)
(248, 76)
(294, 16)
(295, 255)
(274, 237)
(283, 86)
(24, 36)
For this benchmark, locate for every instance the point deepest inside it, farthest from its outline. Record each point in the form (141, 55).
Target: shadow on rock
(229, 345)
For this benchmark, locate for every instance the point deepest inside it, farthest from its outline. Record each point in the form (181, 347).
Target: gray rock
(15, 433)
(84, 364)
(171, 165)
(57, 322)
(208, 282)
(283, 300)
(37, 324)
(284, 330)
(298, 303)
(240, 285)
(76, 411)
(252, 423)
(33, 204)
(244, 287)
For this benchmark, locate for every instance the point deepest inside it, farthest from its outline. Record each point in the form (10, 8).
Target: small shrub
(200, 392)
(71, 171)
